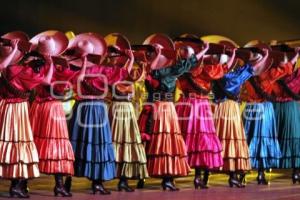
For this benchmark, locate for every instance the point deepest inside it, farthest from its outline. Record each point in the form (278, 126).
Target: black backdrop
(241, 20)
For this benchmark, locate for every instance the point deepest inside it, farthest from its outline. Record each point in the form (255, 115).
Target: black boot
(140, 184)
(205, 177)
(295, 176)
(123, 185)
(198, 181)
(68, 184)
(168, 183)
(97, 186)
(242, 178)
(261, 179)
(233, 180)
(16, 189)
(59, 187)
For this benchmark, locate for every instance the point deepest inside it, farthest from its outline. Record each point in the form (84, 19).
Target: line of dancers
(158, 109)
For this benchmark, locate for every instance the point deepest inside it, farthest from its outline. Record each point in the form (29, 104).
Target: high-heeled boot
(68, 184)
(295, 176)
(233, 180)
(97, 186)
(16, 189)
(123, 185)
(242, 178)
(261, 179)
(198, 182)
(206, 177)
(168, 183)
(59, 187)
(140, 184)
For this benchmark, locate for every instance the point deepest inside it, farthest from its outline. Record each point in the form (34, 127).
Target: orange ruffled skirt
(131, 161)
(230, 130)
(18, 153)
(51, 137)
(167, 154)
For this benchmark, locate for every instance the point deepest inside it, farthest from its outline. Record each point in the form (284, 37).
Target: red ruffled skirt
(166, 151)
(197, 125)
(51, 137)
(18, 153)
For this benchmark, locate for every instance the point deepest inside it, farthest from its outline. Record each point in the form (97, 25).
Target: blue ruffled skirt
(288, 123)
(260, 127)
(91, 139)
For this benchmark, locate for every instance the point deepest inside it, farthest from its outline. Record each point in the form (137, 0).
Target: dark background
(241, 20)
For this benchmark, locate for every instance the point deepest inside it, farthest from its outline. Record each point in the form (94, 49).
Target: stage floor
(280, 187)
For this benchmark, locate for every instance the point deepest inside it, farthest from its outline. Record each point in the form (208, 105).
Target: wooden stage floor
(280, 188)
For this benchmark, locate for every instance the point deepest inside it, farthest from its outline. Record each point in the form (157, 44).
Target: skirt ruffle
(18, 153)
(288, 124)
(91, 140)
(231, 133)
(167, 153)
(130, 152)
(261, 132)
(196, 123)
(51, 138)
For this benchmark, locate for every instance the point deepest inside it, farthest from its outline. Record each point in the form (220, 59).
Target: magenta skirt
(197, 126)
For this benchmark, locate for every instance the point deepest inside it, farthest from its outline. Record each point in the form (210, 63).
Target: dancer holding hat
(50, 129)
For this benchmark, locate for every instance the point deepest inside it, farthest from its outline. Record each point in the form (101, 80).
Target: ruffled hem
(264, 147)
(19, 170)
(235, 148)
(203, 142)
(16, 152)
(104, 171)
(54, 149)
(205, 159)
(94, 153)
(167, 144)
(236, 164)
(56, 166)
(130, 152)
(265, 163)
(132, 170)
(165, 165)
(290, 162)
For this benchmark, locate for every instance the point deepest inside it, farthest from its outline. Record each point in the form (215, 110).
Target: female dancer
(228, 123)
(166, 151)
(196, 119)
(131, 159)
(89, 128)
(50, 129)
(259, 116)
(19, 156)
(288, 115)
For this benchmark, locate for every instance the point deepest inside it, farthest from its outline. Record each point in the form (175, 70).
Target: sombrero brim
(60, 39)
(117, 39)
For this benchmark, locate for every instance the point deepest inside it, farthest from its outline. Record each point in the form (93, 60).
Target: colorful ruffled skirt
(288, 123)
(167, 155)
(197, 125)
(230, 130)
(131, 161)
(91, 139)
(261, 131)
(51, 137)
(18, 154)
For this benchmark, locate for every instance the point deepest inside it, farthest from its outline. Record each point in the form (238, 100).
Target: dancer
(258, 116)
(19, 156)
(166, 151)
(89, 128)
(50, 129)
(229, 126)
(287, 113)
(131, 161)
(195, 115)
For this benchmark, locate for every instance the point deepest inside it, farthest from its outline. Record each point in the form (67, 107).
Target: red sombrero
(6, 49)
(168, 54)
(188, 40)
(50, 42)
(86, 44)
